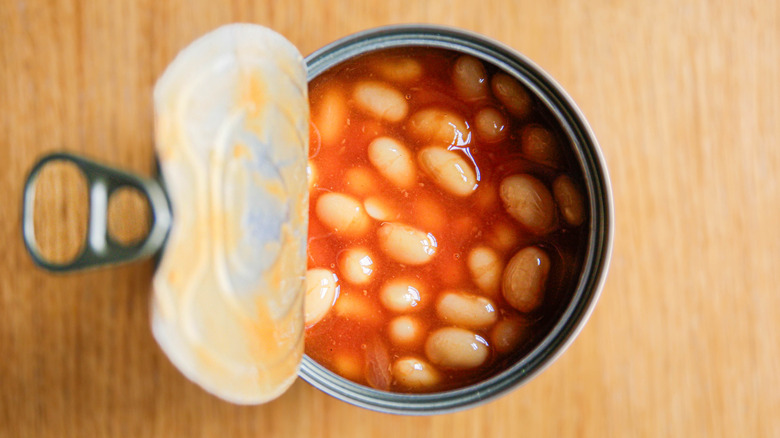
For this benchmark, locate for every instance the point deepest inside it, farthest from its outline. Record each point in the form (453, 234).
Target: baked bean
(490, 125)
(503, 237)
(393, 160)
(399, 70)
(380, 209)
(355, 307)
(525, 277)
(331, 116)
(343, 214)
(470, 78)
(507, 334)
(449, 167)
(466, 310)
(403, 295)
(413, 373)
(486, 196)
(356, 265)
(321, 289)
(569, 199)
(406, 330)
(406, 244)
(527, 200)
(348, 365)
(361, 181)
(454, 347)
(485, 267)
(512, 94)
(540, 145)
(381, 100)
(448, 170)
(440, 127)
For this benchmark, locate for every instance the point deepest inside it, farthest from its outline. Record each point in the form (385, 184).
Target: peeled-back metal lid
(231, 131)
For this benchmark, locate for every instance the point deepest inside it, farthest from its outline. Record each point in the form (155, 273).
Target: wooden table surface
(683, 96)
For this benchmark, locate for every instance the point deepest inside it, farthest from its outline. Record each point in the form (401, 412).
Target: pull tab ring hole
(129, 216)
(61, 211)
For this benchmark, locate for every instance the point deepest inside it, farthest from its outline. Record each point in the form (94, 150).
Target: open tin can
(103, 180)
(599, 242)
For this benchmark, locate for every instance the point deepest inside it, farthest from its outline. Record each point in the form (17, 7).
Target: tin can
(599, 242)
(103, 180)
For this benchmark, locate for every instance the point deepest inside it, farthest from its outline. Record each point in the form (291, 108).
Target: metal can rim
(600, 239)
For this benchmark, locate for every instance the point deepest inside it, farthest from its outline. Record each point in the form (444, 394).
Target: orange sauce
(356, 344)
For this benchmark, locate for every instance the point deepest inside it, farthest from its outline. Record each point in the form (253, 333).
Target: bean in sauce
(447, 220)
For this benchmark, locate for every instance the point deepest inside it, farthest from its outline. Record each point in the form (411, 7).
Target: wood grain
(684, 97)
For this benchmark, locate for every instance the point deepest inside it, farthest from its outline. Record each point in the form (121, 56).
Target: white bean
(490, 125)
(507, 334)
(361, 181)
(406, 244)
(569, 199)
(399, 70)
(485, 267)
(466, 310)
(529, 201)
(356, 265)
(380, 209)
(403, 295)
(448, 170)
(540, 145)
(525, 277)
(453, 347)
(355, 307)
(381, 100)
(413, 373)
(330, 115)
(343, 214)
(512, 94)
(470, 78)
(405, 331)
(348, 365)
(321, 288)
(393, 160)
(440, 127)
(503, 237)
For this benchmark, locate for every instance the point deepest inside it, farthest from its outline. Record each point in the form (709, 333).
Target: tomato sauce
(353, 338)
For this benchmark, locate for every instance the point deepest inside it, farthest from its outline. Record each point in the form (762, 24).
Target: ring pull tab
(99, 247)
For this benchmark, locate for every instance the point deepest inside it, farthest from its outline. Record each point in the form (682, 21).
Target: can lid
(231, 131)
